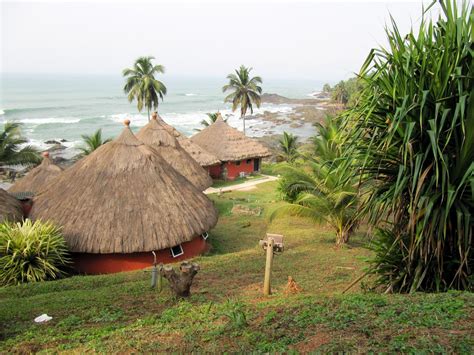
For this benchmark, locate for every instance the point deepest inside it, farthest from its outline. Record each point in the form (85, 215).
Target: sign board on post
(273, 243)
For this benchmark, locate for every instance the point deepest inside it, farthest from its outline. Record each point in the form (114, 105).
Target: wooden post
(268, 267)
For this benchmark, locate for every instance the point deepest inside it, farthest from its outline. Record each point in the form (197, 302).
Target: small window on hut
(177, 251)
(205, 235)
(237, 163)
(249, 161)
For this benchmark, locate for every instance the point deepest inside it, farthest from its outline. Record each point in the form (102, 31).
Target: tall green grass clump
(31, 252)
(413, 133)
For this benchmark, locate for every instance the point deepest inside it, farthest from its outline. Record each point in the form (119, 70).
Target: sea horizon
(66, 106)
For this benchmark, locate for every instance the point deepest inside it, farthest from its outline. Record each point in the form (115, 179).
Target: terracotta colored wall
(215, 171)
(234, 170)
(111, 263)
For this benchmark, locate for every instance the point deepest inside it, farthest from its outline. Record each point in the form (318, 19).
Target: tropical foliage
(211, 118)
(92, 142)
(323, 189)
(413, 133)
(289, 147)
(141, 84)
(31, 252)
(245, 91)
(13, 150)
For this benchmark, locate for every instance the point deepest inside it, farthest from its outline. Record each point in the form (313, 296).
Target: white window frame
(178, 254)
(205, 235)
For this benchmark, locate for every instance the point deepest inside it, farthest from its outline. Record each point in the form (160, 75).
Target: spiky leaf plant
(31, 252)
(413, 133)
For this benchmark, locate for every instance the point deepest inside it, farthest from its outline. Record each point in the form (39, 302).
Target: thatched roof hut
(167, 145)
(124, 198)
(199, 154)
(228, 143)
(38, 177)
(10, 208)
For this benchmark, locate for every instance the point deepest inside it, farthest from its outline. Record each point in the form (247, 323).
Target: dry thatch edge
(38, 178)
(10, 208)
(124, 198)
(228, 143)
(156, 136)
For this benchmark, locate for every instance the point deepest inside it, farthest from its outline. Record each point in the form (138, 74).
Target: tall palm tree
(11, 152)
(141, 84)
(93, 142)
(288, 146)
(245, 91)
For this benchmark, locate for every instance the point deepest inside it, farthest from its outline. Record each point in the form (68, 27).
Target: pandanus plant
(412, 131)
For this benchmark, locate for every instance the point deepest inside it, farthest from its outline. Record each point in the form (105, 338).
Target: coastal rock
(52, 141)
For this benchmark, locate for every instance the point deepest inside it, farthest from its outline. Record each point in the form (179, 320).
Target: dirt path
(248, 185)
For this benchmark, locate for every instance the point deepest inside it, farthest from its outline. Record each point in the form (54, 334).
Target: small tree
(288, 146)
(141, 84)
(93, 142)
(11, 152)
(245, 91)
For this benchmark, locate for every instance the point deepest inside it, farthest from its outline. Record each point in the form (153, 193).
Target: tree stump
(180, 282)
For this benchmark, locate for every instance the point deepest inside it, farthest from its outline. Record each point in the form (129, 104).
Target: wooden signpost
(272, 243)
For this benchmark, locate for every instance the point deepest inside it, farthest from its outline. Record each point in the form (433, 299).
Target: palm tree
(288, 146)
(141, 84)
(93, 142)
(11, 152)
(323, 193)
(325, 188)
(245, 91)
(212, 118)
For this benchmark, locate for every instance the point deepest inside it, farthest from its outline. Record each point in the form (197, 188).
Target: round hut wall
(94, 264)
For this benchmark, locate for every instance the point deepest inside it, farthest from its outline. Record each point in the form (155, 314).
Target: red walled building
(119, 204)
(239, 154)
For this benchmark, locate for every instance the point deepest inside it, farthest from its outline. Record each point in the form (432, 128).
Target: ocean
(54, 107)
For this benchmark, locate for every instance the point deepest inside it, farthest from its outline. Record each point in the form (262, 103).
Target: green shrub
(31, 252)
(412, 130)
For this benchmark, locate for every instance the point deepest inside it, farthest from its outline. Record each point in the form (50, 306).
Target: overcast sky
(318, 40)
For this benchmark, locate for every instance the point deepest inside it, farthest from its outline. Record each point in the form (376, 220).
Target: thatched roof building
(228, 143)
(38, 177)
(10, 208)
(167, 145)
(239, 155)
(124, 198)
(199, 154)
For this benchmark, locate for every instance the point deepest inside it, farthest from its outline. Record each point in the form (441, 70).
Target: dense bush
(31, 252)
(413, 132)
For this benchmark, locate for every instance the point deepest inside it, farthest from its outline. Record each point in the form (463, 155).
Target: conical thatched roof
(228, 143)
(10, 208)
(124, 198)
(167, 145)
(203, 157)
(38, 177)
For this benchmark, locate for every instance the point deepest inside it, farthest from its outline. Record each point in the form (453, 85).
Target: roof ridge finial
(127, 122)
(154, 115)
(219, 116)
(45, 154)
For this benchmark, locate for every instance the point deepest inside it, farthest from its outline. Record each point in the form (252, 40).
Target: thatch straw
(227, 143)
(167, 145)
(203, 157)
(124, 198)
(37, 178)
(10, 208)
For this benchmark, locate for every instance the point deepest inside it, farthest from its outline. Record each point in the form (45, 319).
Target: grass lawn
(227, 311)
(223, 183)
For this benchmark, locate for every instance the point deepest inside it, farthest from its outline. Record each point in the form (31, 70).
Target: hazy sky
(318, 40)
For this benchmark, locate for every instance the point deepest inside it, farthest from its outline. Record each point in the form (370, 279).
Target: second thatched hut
(167, 145)
(121, 203)
(239, 154)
